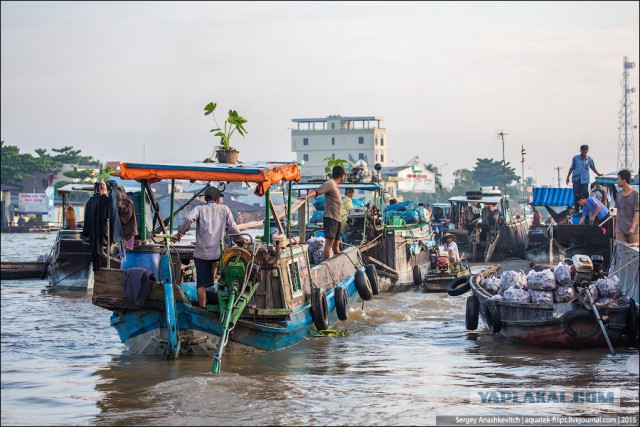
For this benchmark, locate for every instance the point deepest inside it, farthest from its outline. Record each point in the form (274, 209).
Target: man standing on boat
(580, 165)
(332, 205)
(627, 210)
(212, 219)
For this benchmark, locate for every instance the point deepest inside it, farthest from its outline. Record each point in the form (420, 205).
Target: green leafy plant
(233, 122)
(331, 162)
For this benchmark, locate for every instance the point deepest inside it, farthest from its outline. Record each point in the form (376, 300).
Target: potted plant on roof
(224, 152)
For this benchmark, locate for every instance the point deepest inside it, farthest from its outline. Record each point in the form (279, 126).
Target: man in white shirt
(212, 220)
(451, 247)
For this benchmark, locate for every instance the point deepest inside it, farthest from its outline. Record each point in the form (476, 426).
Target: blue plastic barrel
(147, 257)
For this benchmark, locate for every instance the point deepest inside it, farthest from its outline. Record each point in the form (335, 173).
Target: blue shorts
(204, 271)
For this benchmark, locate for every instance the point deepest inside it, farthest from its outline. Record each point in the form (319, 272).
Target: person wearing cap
(580, 165)
(332, 206)
(449, 244)
(212, 220)
(347, 205)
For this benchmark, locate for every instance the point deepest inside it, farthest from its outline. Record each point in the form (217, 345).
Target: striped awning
(552, 197)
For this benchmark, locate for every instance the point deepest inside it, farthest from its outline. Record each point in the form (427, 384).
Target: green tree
(489, 172)
(82, 175)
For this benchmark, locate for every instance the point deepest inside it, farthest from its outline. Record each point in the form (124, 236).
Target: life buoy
(492, 316)
(342, 302)
(417, 277)
(631, 328)
(319, 309)
(459, 286)
(472, 312)
(372, 275)
(363, 285)
(574, 315)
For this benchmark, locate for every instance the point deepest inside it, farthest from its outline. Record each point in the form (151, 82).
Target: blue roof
(552, 197)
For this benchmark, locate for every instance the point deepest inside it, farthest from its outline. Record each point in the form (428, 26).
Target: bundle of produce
(319, 203)
(541, 297)
(514, 294)
(609, 287)
(491, 285)
(541, 280)
(316, 249)
(562, 275)
(511, 278)
(563, 294)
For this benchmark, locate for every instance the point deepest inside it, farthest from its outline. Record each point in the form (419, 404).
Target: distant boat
(14, 270)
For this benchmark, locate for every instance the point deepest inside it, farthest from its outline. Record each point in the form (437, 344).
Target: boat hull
(21, 270)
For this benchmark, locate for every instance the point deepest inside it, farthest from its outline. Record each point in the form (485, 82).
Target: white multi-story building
(349, 138)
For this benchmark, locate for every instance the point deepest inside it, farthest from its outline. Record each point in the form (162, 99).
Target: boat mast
(501, 135)
(625, 135)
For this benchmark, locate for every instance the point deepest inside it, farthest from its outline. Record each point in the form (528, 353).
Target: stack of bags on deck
(548, 287)
(316, 248)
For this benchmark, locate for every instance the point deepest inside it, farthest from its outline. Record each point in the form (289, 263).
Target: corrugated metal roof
(552, 197)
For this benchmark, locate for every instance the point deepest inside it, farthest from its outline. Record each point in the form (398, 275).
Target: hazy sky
(110, 78)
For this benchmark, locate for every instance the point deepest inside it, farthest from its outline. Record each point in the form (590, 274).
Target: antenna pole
(557, 168)
(501, 134)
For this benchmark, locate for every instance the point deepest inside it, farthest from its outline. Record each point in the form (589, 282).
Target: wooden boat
(14, 270)
(69, 264)
(437, 281)
(399, 250)
(482, 238)
(269, 295)
(562, 325)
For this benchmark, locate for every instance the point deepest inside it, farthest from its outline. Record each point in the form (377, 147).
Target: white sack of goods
(541, 280)
(541, 297)
(593, 288)
(514, 294)
(563, 294)
(562, 275)
(609, 287)
(316, 249)
(491, 285)
(497, 297)
(510, 278)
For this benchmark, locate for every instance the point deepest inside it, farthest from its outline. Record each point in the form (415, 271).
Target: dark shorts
(204, 271)
(332, 228)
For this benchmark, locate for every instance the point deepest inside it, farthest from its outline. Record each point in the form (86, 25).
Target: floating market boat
(484, 235)
(269, 296)
(398, 240)
(14, 270)
(573, 324)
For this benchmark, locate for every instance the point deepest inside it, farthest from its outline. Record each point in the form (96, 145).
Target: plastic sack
(609, 287)
(562, 275)
(401, 207)
(358, 203)
(515, 294)
(541, 297)
(497, 297)
(317, 217)
(543, 280)
(513, 278)
(319, 203)
(563, 294)
(491, 285)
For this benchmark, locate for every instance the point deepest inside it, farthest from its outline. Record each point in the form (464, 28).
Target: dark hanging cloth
(137, 284)
(97, 212)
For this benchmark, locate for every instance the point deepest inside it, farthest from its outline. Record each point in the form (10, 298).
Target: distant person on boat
(599, 192)
(491, 215)
(21, 221)
(473, 212)
(332, 206)
(627, 210)
(537, 220)
(594, 210)
(212, 219)
(70, 218)
(580, 165)
(451, 247)
(347, 205)
(393, 201)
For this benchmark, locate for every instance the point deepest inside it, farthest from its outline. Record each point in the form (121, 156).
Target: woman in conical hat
(450, 246)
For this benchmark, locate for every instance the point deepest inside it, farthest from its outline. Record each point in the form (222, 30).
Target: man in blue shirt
(580, 165)
(594, 210)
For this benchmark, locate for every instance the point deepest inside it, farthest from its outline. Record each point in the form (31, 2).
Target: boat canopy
(472, 199)
(548, 196)
(71, 188)
(355, 185)
(264, 174)
(612, 179)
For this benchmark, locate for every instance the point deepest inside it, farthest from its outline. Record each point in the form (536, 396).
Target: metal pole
(626, 115)
(267, 217)
(143, 225)
(289, 211)
(173, 195)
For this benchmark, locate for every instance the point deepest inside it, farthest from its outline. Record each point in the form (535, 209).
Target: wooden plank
(375, 242)
(381, 264)
(276, 216)
(390, 275)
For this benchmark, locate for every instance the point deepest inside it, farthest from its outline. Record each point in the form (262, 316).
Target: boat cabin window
(294, 276)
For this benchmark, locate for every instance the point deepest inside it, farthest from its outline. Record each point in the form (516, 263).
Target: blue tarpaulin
(552, 197)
